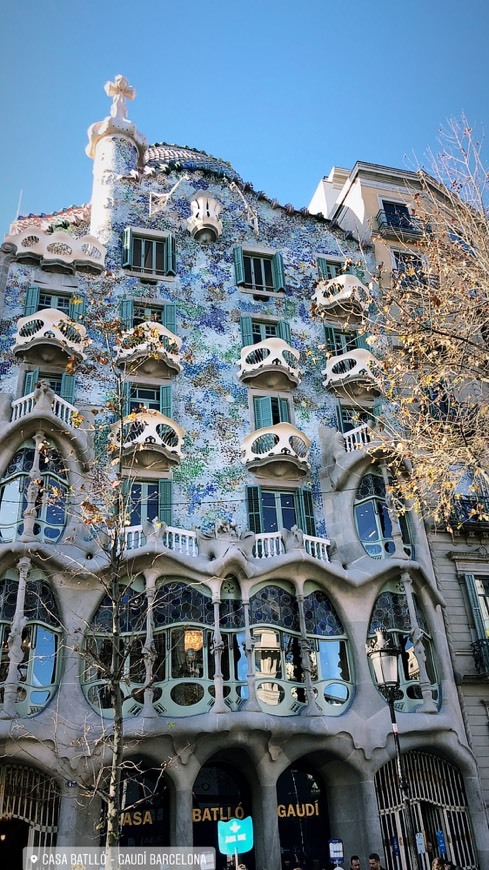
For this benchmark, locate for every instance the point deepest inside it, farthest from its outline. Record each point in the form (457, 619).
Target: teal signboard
(235, 836)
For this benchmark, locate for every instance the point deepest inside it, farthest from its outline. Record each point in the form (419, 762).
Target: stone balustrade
(342, 295)
(269, 362)
(357, 438)
(149, 432)
(148, 344)
(58, 249)
(50, 327)
(267, 545)
(356, 367)
(44, 399)
(282, 448)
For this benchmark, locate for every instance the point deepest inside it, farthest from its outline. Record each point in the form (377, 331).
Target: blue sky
(283, 90)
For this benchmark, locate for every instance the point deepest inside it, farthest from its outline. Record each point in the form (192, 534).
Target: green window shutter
(165, 401)
(170, 316)
(127, 247)
(339, 416)
(31, 303)
(471, 584)
(30, 380)
(262, 407)
(361, 341)
(283, 331)
(170, 256)
(329, 339)
(304, 511)
(68, 388)
(126, 312)
(278, 271)
(239, 273)
(77, 307)
(323, 270)
(284, 410)
(165, 501)
(253, 500)
(125, 398)
(246, 330)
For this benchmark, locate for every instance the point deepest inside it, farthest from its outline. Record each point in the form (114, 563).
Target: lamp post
(384, 656)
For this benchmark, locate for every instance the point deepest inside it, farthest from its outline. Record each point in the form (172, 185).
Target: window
(150, 255)
(260, 272)
(38, 299)
(270, 510)
(139, 397)
(409, 268)
(478, 591)
(397, 215)
(60, 382)
(45, 490)
(339, 342)
(37, 670)
(150, 500)
(374, 525)
(391, 616)
(254, 330)
(269, 410)
(328, 269)
(351, 418)
(134, 312)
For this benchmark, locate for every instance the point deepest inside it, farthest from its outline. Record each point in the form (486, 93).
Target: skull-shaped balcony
(58, 251)
(49, 335)
(270, 364)
(353, 373)
(151, 349)
(342, 296)
(279, 451)
(149, 440)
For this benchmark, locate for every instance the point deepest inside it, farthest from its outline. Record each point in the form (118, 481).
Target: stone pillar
(219, 705)
(416, 636)
(312, 707)
(183, 833)
(251, 705)
(267, 839)
(69, 808)
(15, 651)
(149, 651)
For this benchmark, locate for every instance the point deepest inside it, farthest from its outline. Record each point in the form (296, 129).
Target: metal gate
(33, 796)
(439, 805)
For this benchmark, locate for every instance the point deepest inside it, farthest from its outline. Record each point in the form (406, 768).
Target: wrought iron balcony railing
(398, 226)
(480, 650)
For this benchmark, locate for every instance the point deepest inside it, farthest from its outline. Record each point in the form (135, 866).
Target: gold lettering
(148, 818)
(206, 815)
(197, 815)
(214, 811)
(136, 818)
(239, 812)
(300, 810)
(281, 811)
(290, 811)
(126, 819)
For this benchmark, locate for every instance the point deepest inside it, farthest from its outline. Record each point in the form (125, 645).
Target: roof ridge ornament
(117, 123)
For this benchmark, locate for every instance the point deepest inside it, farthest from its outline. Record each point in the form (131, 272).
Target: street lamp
(384, 657)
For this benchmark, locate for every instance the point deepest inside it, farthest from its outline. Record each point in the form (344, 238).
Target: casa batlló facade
(259, 554)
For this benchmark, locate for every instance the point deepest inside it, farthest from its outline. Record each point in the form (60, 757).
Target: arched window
(37, 672)
(391, 615)
(374, 525)
(44, 490)
(280, 650)
(182, 660)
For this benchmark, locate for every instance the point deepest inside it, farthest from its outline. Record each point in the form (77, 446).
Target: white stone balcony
(271, 364)
(352, 373)
(267, 545)
(151, 439)
(342, 296)
(58, 251)
(280, 451)
(358, 438)
(150, 348)
(49, 335)
(43, 399)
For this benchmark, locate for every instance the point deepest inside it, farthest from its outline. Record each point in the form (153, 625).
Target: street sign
(336, 851)
(235, 836)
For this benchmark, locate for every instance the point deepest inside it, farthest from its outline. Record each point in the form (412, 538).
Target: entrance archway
(303, 820)
(145, 819)
(439, 804)
(220, 793)
(29, 805)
